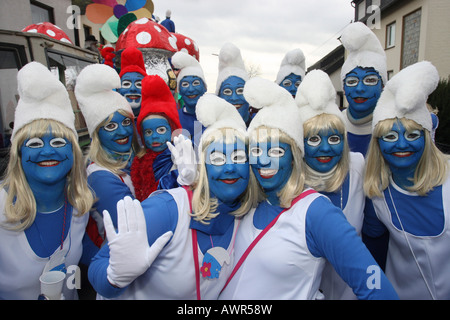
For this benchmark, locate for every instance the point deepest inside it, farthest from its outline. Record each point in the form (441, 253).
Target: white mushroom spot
(187, 41)
(143, 38)
(184, 50)
(32, 30)
(50, 33)
(173, 42)
(157, 28)
(65, 40)
(142, 21)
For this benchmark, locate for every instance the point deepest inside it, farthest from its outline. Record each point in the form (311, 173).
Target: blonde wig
(431, 171)
(20, 204)
(98, 155)
(203, 206)
(313, 126)
(296, 182)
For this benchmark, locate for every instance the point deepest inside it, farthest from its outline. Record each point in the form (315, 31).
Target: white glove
(130, 253)
(183, 155)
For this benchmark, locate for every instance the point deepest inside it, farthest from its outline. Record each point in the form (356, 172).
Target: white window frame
(390, 35)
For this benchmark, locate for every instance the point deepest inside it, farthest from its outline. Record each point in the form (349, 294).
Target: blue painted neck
(48, 197)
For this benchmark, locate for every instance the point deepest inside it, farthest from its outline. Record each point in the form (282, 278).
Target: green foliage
(440, 100)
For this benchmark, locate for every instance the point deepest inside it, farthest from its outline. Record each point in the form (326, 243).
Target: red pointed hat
(132, 60)
(157, 99)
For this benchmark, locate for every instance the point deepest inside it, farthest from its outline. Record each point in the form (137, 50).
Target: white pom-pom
(230, 56)
(97, 78)
(210, 109)
(273, 94)
(182, 60)
(36, 83)
(316, 90)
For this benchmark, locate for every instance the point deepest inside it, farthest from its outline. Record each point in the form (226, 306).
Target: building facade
(410, 31)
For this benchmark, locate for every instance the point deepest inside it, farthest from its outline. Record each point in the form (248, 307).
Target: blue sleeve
(372, 226)
(109, 189)
(169, 180)
(161, 215)
(329, 235)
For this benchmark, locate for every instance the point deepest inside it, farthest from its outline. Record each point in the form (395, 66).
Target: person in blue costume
(168, 23)
(292, 71)
(157, 123)
(44, 195)
(231, 79)
(132, 72)
(191, 84)
(363, 75)
(297, 229)
(110, 122)
(408, 179)
(330, 167)
(185, 249)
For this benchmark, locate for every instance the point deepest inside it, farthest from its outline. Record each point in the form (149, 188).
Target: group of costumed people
(261, 190)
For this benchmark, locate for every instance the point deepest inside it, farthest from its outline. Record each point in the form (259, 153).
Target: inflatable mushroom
(49, 29)
(157, 46)
(187, 45)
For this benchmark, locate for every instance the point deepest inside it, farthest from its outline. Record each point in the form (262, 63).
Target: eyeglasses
(370, 80)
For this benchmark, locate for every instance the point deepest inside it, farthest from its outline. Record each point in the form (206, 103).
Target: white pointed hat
(230, 64)
(42, 96)
(188, 65)
(277, 108)
(293, 62)
(215, 113)
(406, 94)
(316, 95)
(364, 50)
(96, 97)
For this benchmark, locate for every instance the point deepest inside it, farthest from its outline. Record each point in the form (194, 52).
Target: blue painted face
(324, 150)
(272, 164)
(46, 159)
(232, 90)
(363, 87)
(401, 149)
(291, 83)
(117, 135)
(191, 89)
(131, 90)
(228, 170)
(157, 133)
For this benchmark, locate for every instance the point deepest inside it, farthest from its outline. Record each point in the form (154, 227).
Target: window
(390, 35)
(361, 9)
(41, 13)
(390, 74)
(411, 38)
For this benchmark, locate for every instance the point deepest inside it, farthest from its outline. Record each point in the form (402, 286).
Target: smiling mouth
(360, 99)
(229, 181)
(267, 173)
(324, 159)
(156, 144)
(48, 163)
(402, 154)
(193, 96)
(133, 96)
(238, 106)
(123, 141)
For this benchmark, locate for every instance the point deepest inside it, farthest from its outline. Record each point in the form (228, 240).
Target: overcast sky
(264, 30)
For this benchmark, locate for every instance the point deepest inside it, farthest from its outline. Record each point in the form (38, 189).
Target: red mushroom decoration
(187, 45)
(145, 33)
(49, 29)
(156, 44)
